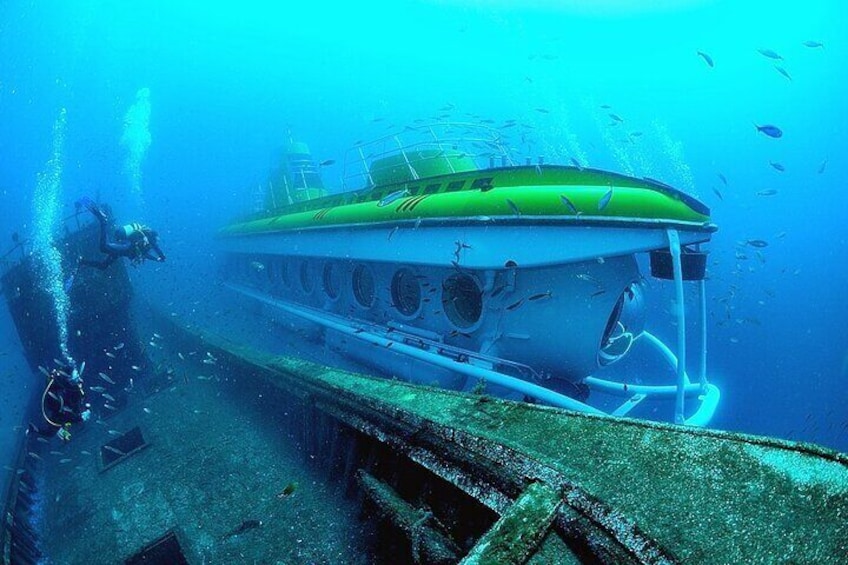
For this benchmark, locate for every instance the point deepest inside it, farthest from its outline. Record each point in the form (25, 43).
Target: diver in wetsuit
(133, 241)
(63, 402)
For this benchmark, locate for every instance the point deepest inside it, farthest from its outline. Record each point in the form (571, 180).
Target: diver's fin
(91, 206)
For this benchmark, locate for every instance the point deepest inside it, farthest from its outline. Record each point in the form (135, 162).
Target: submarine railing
(553, 398)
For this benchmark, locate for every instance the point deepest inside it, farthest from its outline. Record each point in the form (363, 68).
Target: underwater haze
(174, 112)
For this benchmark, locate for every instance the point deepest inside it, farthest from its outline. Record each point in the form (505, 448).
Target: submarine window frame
(284, 273)
(331, 273)
(455, 186)
(306, 277)
(431, 189)
(358, 273)
(455, 315)
(401, 276)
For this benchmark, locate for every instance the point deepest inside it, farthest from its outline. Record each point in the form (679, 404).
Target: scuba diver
(133, 241)
(62, 403)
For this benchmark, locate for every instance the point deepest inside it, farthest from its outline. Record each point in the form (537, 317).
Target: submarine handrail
(708, 394)
(540, 393)
(356, 154)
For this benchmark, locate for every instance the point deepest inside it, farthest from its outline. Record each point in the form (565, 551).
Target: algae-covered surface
(705, 496)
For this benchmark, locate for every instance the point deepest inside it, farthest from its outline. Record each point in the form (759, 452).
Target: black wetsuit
(63, 403)
(140, 246)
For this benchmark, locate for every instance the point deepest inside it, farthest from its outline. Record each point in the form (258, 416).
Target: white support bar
(680, 311)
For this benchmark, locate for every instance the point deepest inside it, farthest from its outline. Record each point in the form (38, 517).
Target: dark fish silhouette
(707, 59)
(514, 207)
(717, 193)
(723, 180)
(576, 163)
(777, 166)
(543, 110)
(327, 163)
(770, 130)
(616, 117)
(757, 243)
(767, 192)
(245, 526)
(823, 166)
(813, 44)
(770, 54)
(782, 71)
(569, 204)
(605, 200)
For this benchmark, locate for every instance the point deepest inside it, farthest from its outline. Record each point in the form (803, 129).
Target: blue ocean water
(174, 112)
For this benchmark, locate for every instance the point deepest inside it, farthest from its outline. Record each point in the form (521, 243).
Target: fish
(392, 233)
(135, 367)
(84, 452)
(114, 432)
(109, 407)
(616, 117)
(98, 389)
(119, 346)
(208, 361)
(156, 335)
(717, 193)
(109, 397)
(543, 110)
(515, 305)
(327, 163)
(767, 192)
(782, 71)
(605, 200)
(606, 106)
(770, 54)
(245, 526)
(576, 163)
(707, 59)
(110, 355)
(757, 243)
(569, 204)
(777, 166)
(539, 296)
(114, 450)
(635, 134)
(106, 378)
(65, 460)
(813, 44)
(147, 410)
(722, 178)
(35, 455)
(598, 292)
(770, 130)
(181, 356)
(288, 490)
(389, 198)
(514, 207)
(822, 166)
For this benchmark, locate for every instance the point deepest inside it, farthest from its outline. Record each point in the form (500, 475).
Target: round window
(406, 292)
(462, 299)
(332, 280)
(307, 283)
(363, 286)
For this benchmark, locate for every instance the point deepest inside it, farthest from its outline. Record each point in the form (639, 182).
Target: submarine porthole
(332, 280)
(406, 292)
(307, 282)
(363, 286)
(462, 299)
